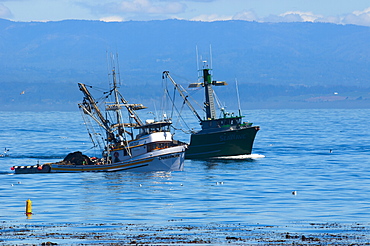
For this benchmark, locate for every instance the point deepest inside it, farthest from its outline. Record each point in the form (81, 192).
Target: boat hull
(168, 160)
(221, 143)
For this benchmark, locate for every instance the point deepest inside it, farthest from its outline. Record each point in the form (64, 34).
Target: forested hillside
(276, 65)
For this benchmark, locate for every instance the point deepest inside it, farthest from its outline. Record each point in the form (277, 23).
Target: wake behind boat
(218, 137)
(127, 143)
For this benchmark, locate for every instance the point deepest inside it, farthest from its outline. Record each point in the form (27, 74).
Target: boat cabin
(153, 127)
(222, 122)
(152, 136)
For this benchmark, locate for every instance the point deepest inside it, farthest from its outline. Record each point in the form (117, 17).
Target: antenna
(108, 66)
(210, 55)
(118, 70)
(196, 50)
(237, 92)
(156, 112)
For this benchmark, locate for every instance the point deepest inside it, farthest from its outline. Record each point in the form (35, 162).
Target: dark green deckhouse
(219, 137)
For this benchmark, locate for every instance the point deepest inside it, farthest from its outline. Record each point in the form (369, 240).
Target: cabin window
(156, 146)
(144, 131)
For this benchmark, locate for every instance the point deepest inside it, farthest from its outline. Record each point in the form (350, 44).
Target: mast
(237, 92)
(210, 102)
(120, 101)
(117, 111)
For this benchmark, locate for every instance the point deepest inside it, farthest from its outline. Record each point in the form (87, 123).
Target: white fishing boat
(127, 143)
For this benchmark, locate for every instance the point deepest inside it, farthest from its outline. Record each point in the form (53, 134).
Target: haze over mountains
(276, 65)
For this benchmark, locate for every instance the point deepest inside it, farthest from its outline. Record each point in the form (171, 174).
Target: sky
(333, 11)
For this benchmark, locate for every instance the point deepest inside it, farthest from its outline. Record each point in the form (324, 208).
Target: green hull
(219, 137)
(221, 143)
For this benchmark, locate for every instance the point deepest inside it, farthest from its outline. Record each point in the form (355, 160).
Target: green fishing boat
(227, 136)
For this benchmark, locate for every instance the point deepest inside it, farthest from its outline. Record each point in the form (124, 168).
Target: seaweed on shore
(143, 234)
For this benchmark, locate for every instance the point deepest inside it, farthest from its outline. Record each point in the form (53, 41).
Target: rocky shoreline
(214, 234)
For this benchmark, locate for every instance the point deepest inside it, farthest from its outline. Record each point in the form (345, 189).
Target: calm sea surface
(323, 155)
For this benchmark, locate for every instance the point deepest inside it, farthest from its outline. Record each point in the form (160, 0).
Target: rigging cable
(91, 129)
(178, 113)
(190, 94)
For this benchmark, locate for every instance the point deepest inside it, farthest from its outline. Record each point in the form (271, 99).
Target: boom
(90, 102)
(182, 92)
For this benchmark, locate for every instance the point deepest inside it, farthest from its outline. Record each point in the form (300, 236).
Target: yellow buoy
(28, 206)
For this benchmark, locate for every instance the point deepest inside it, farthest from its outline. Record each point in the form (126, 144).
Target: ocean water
(321, 154)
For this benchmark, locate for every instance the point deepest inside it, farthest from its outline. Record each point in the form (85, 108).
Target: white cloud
(5, 12)
(365, 11)
(122, 10)
(358, 18)
(210, 18)
(133, 9)
(112, 19)
(305, 16)
(330, 19)
(249, 15)
(361, 18)
(146, 6)
(285, 18)
(290, 16)
(293, 16)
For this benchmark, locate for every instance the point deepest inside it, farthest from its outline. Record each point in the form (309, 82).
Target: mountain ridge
(272, 56)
